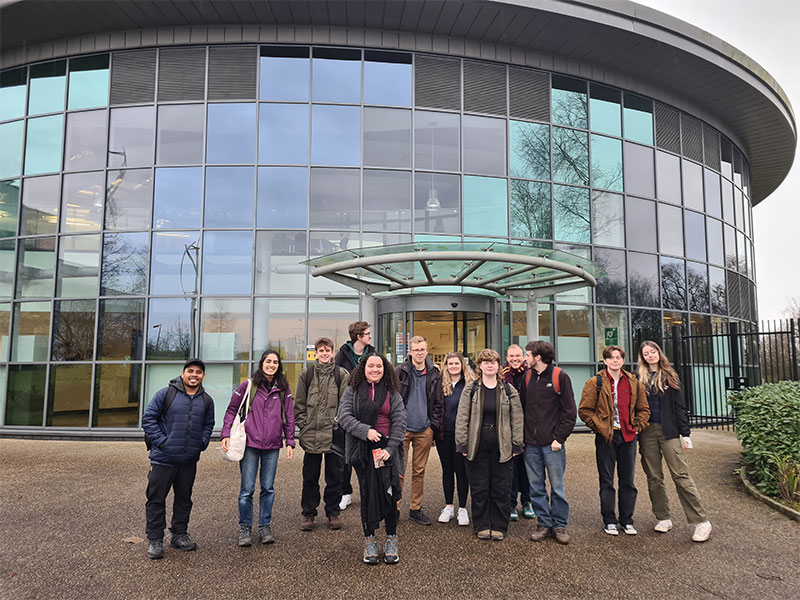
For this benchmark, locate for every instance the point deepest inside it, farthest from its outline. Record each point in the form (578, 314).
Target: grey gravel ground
(67, 507)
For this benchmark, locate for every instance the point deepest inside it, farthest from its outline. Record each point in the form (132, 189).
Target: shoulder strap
(171, 392)
(599, 383)
(337, 376)
(557, 380)
(474, 389)
(507, 387)
(309, 376)
(528, 377)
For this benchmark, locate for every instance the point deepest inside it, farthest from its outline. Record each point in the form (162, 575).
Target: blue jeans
(249, 469)
(552, 513)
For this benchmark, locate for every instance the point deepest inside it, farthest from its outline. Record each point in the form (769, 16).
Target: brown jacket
(597, 410)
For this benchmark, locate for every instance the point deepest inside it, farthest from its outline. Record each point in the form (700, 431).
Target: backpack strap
(599, 383)
(168, 399)
(308, 377)
(507, 387)
(557, 380)
(528, 378)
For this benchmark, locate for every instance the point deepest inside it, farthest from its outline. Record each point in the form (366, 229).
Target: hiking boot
(561, 535)
(245, 535)
(498, 536)
(371, 550)
(155, 549)
(514, 515)
(307, 523)
(611, 529)
(346, 500)
(183, 542)
(701, 532)
(265, 531)
(663, 526)
(419, 517)
(334, 522)
(629, 529)
(527, 511)
(541, 533)
(390, 555)
(463, 516)
(446, 514)
(485, 534)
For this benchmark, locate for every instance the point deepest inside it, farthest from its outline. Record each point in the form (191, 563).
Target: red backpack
(556, 377)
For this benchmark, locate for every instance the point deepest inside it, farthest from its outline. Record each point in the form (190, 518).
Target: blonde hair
(417, 339)
(467, 374)
(487, 355)
(664, 375)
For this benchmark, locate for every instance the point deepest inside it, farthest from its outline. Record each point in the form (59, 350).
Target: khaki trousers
(652, 447)
(421, 442)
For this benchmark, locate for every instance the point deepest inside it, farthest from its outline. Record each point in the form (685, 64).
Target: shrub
(768, 424)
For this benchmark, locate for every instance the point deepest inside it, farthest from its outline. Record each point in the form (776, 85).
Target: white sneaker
(463, 517)
(346, 500)
(446, 514)
(701, 532)
(611, 529)
(629, 529)
(663, 526)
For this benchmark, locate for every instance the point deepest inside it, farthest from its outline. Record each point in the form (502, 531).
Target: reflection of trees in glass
(572, 216)
(697, 286)
(570, 107)
(645, 325)
(719, 298)
(608, 223)
(530, 209)
(529, 150)
(606, 163)
(124, 264)
(73, 331)
(570, 156)
(644, 289)
(170, 340)
(611, 289)
(121, 329)
(673, 284)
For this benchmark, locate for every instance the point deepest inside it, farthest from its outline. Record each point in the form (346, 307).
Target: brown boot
(334, 522)
(561, 535)
(541, 533)
(307, 523)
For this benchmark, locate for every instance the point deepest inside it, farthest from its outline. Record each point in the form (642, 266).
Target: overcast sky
(768, 32)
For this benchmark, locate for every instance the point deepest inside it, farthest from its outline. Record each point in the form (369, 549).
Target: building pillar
(532, 318)
(368, 307)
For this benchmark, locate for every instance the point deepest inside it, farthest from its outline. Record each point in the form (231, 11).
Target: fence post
(794, 350)
(733, 328)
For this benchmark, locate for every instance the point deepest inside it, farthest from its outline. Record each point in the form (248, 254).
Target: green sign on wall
(612, 336)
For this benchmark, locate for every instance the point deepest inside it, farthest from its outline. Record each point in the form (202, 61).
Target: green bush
(768, 424)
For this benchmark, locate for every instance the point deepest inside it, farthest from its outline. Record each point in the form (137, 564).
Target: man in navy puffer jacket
(177, 442)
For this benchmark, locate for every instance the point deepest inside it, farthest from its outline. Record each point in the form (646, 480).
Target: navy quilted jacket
(185, 431)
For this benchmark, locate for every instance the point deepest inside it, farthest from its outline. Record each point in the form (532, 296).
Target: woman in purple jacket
(268, 422)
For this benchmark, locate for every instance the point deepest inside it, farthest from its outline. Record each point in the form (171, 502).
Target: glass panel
(737, 167)
(330, 317)
(120, 331)
(697, 286)
(5, 326)
(643, 279)
(611, 329)
(730, 247)
(47, 87)
(529, 150)
(668, 177)
(670, 230)
(673, 283)
(221, 380)
(283, 134)
(692, 185)
(227, 262)
(437, 203)
(672, 319)
(78, 266)
(43, 145)
(384, 239)
(325, 242)
(31, 332)
(738, 208)
(11, 148)
(335, 198)
(178, 198)
(719, 293)
(727, 202)
(574, 342)
(131, 137)
(485, 206)
(230, 192)
(716, 253)
(612, 289)
(225, 329)
(36, 267)
(606, 163)
(82, 202)
(645, 325)
(639, 171)
(68, 400)
(9, 207)
(73, 330)
(638, 119)
(25, 401)
(387, 78)
(387, 137)
(695, 235)
(88, 82)
(280, 325)
(584, 294)
(387, 200)
(712, 190)
(158, 376)
(231, 133)
(640, 224)
(129, 196)
(282, 197)
(727, 159)
(604, 110)
(571, 217)
(336, 75)
(278, 258)
(8, 257)
(174, 262)
(531, 210)
(570, 156)
(608, 220)
(437, 141)
(284, 73)
(180, 134)
(740, 252)
(171, 329)
(484, 145)
(13, 87)
(116, 396)
(336, 135)
(569, 101)
(124, 264)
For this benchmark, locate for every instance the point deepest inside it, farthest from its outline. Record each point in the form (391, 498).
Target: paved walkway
(67, 507)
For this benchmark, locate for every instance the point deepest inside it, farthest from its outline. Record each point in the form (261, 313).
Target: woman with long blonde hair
(669, 422)
(456, 373)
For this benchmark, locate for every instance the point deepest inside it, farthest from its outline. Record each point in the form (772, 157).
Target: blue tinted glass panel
(178, 198)
(531, 210)
(88, 82)
(131, 137)
(638, 119)
(673, 283)
(529, 150)
(227, 262)
(608, 219)
(336, 78)
(639, 171)
(11, 148)
(437, 203)
(485, 206)
(85, 145)
(695, 235)
(283, 134)
(78, 266)
(125, 259)
(129, 196)
(570, 156)
(569, 102)
(335, 198)
(640, 224)
(47, 87)
(604, 110)
(169, 328)
(174, 267)
(387, 201)
(571, 214)
(180, 134)
(12, 93)
(230, 192)
(692, 185)
(82, 202)
(282, 197)
(643, 279)
(670, 230)
(484, 145)
(387, 78)
(9, 207)
(606, 163)
(231, 133)
(285, 77)
(387, 137)
(43, 147)
(336, 135)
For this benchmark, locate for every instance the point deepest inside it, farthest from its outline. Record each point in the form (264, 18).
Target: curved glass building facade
(156, 204)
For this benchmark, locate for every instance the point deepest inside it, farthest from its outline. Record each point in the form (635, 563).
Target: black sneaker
(155, 549)
(183, 542)
(419, 517)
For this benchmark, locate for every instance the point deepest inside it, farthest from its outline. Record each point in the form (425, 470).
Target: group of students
(500, 432)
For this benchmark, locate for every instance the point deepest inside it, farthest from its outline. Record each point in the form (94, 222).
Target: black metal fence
(714, 364)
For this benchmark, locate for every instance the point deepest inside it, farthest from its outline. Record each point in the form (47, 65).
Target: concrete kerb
(774, 504)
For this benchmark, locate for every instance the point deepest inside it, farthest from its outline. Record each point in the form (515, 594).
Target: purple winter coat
(263, 424)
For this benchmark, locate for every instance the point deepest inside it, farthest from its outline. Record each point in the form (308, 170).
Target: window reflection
(178, 198)
(692, 185)
(387, 78)
(5, 326)
(283, 134)
(43, 145)
(25, 399)
(484, 145)
(569, 101)
(180, 134)
(230, 193)
(611, 327)
(613, 288)
(529, 150)
(673, 283)
(47, 87)
(227, 262)
(82, 202)
(643, 279)
(129, 196)
(639, 171)
(570, 156)
(606, 163)
(280, 324)
(329, 317)
(437, 203)
(36, 267)
(572, 221)
(712, 192)
(278, 258)
(175, 265)
(638, 114)
(7, 258)
(116, 396)
(171, 329)
(336, 135)
(336, 75)
(727, 159)
(719, 293)
(437, 143)
(387, 201)
(225, 329)
(697, 286)
(88, 82)
(573, 324)
(645, 325)
(282, 197)
(68, 400)
(131, 137)
(640, 225)
(670, 230)
(716, 253)
(485, 206)
(727, 202)
(608, 219)
(40, 201)
(78, 266)
(695, 235)
(531, 210)
(668, 178)
(730, 247)
(85, 146)
(11, 148)
(335, 198)
(604, 107)
(13, 87)
(284, 73)
(9, 207)
(387, 137)
(231, 133)
(73, 330)
(125, 261)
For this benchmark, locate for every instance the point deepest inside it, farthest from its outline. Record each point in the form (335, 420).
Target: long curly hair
(279, 379)
(466, 372)
(389, 376)
(664, 375)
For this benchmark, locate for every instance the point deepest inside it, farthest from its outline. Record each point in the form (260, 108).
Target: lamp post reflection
(188, 249)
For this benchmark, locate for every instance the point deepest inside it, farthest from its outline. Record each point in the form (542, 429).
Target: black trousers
(309, 498)
(390, 522)
(159, 481)
(347, 473)
(519, 483)
(622, 455)
(454, 470)
(490, 484)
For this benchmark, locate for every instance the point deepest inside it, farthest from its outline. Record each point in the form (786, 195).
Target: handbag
(238, 437)
(337, 444)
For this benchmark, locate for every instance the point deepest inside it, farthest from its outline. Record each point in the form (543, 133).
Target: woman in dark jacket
(669, 422)
(456, 373)
(374, 418)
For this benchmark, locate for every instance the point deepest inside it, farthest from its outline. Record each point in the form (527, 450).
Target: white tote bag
(238, 438)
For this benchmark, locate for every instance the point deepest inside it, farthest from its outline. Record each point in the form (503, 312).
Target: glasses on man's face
(419, 351)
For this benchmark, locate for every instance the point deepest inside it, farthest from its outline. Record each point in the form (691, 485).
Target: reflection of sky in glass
(12, 94)
(284, 78)
(88, 87)
(437, 141)
(230, 192)
(485, 206)
(174, 262)
(604, 110)
(640, 224)
(336, 135)
(692, 185)
(695, 235)
(11, 148)
(668, 177)
(283, 134)
(608, 221)
(227, 262)
(670, 230)
(716, 253)
(640, 177)
(47, 87)
(282, 197)
(336, 80)
(606, 163)
(484, 145)
(638, 114)
(643, 279)
(387, 84)
(178, 196)
(531, 211)
(43, 147)
(231, 133)
(180, 134)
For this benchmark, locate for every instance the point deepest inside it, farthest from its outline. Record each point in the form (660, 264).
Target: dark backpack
(506, 386)
(309, 376)
(171, 392)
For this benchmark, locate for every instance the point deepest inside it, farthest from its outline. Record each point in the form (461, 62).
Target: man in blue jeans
(550, 413)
